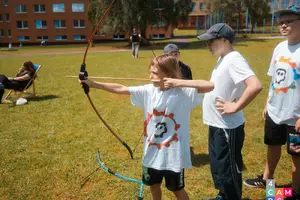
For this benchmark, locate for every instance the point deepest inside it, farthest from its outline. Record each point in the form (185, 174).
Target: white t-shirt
(228, 76)
(283, 104)
(166, 125)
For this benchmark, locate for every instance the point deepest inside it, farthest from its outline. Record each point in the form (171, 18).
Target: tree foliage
(232, 9)
(127, 14)
(235, 9)
(258, 10)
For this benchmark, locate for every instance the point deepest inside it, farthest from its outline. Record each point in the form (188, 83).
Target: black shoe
(258, 182)
(294, 197)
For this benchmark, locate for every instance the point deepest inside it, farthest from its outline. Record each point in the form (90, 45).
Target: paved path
(272, 37)
(182, 41)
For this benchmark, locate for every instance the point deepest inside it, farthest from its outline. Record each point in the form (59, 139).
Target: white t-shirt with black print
(166, 125)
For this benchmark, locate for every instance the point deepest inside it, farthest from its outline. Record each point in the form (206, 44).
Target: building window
(7, 17)
(79, 37)
(274, 4)
(40, 24)
(296, 2)
(23, 38)
(193, 5)
(118, 37)
(202, 6)
(158, 36)
(1, 18)
(285, 3)
(77, 7)
(22, 24)
(61, 37)
(42, 38)
(1, 32)
(21, 9)
(39, 8)
(58, 7)
(78, 24)
(5, 2)
(8, 33)
(59, 23)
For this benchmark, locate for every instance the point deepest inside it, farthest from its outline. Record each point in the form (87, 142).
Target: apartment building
(281, 4)
(55, 21)
(198, 18)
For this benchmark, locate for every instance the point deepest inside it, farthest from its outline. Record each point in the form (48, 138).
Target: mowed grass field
(50, 145)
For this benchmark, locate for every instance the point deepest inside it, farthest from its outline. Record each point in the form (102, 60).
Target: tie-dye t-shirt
(283, 104)
(166, 125)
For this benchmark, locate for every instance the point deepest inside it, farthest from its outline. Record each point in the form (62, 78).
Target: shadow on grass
(191, 45)
(199, 159)
(42, 98)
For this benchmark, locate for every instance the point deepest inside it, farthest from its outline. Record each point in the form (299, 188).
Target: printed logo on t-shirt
(165, 129)
(279, 83)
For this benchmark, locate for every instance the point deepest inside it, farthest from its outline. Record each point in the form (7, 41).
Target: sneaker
(218, 197)
(258, 182)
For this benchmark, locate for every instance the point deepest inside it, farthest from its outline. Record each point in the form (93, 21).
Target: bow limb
(83, 75)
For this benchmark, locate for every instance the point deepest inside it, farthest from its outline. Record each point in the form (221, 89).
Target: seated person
(21, 80)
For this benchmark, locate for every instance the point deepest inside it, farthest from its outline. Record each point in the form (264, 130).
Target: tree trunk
(252, 28)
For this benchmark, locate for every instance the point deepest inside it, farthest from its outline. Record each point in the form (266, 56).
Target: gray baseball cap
(169, 48)
(290, 10)
(220, 30)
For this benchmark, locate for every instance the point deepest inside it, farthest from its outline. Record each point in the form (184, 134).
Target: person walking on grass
(282, 109)
(173, 50)
(135, 40)
(167, 103)
(235, 87)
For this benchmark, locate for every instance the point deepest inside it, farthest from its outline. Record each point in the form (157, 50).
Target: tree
(230, 9)
(258, 10)
(234, 9)
(127, 14)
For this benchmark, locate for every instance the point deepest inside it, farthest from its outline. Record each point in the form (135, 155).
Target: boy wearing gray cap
(282, 110)
(235, 87)
(172, 49)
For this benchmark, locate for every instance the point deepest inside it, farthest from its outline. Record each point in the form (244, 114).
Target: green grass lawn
(48, 146)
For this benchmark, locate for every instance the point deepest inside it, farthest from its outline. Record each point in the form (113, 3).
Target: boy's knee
(181, 194)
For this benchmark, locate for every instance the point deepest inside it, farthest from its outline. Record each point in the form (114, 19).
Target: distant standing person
(43, 43)
(172, 49)
(135, 39)
(235, 87)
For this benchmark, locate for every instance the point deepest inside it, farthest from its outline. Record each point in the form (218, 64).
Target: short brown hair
(168, 65)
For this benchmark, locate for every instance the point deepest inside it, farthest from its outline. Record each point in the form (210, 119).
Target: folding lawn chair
(30, 84)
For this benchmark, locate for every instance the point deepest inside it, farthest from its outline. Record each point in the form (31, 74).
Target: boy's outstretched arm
(109, 87)
(201, 85)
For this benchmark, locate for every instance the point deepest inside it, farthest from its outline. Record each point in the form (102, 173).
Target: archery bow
(83, 75)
